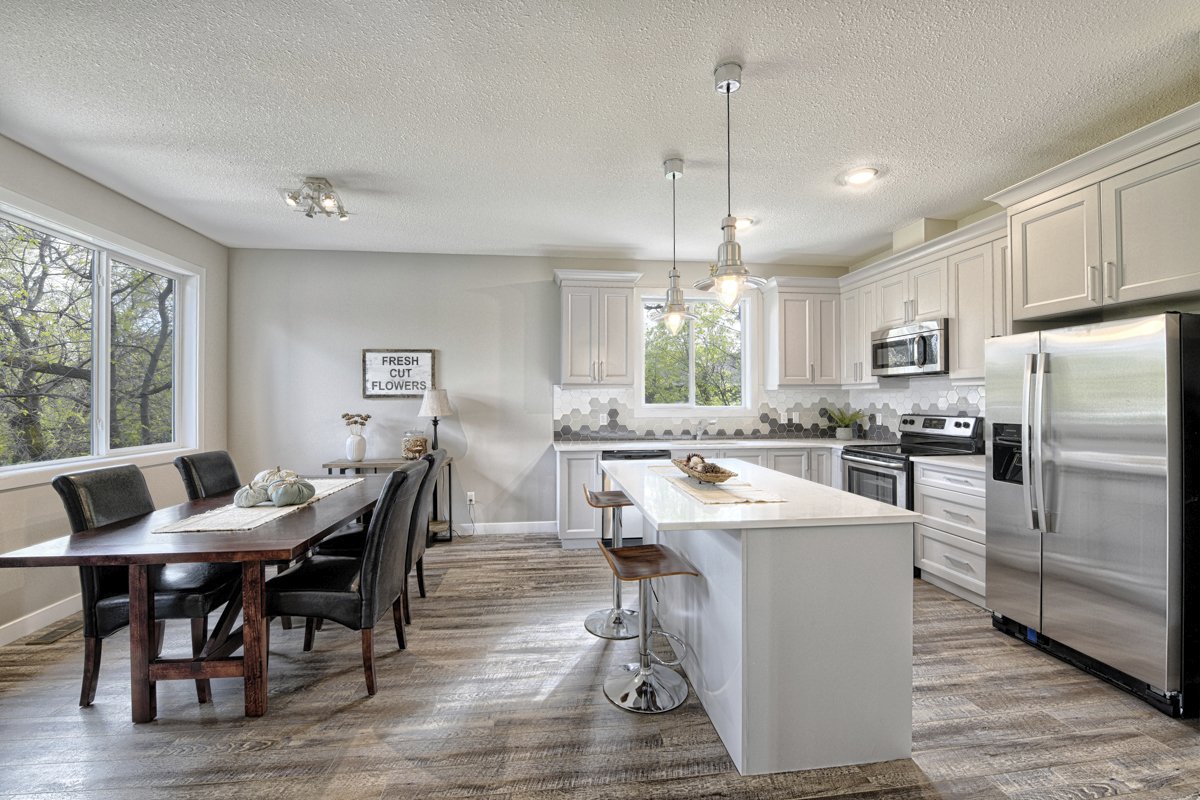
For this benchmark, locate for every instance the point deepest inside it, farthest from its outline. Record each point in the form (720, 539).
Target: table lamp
(436, 403)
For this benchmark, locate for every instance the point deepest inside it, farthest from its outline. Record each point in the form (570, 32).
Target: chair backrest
(206, 474)
(382, 570)
(95, 498)
(423, 509)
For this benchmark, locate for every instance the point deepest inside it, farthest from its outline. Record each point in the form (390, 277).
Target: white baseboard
(23, 626)
(490, 528)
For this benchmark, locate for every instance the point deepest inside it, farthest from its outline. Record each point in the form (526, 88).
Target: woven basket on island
(713, 476)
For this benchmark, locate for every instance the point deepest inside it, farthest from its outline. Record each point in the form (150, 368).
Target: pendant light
(674, 313)
(729, 277)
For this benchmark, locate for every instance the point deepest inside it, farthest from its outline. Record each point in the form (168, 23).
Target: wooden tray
(703, 477)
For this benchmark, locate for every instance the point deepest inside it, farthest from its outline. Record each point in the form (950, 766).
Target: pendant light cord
(728, 160)
(673, 179)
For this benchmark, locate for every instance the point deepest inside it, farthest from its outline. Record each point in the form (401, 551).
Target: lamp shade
(436, 403)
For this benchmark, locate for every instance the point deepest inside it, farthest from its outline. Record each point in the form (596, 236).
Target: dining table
(137, 544)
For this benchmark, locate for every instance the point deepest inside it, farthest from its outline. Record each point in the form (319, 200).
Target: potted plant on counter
(844, 421)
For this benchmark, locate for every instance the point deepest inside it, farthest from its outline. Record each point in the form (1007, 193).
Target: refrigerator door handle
(1039, 413)
(1026, 456)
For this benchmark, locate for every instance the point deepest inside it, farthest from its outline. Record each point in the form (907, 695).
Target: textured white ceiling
(539, 127)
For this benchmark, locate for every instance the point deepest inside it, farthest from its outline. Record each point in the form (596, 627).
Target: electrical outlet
(470, 498)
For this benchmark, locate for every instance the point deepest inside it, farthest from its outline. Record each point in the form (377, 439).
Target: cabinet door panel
(927, 290)
(1001, 290)
(1151, 223)
(577, 518)
(892, 296)
(825, 336)
(852, 333)
(970, 310)
(579, 335)
(615, 366)
(796, 355)
(821, 466)
(758, 457)
(792, 462)
(1056, 255)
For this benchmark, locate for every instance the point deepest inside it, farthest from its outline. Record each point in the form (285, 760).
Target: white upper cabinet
(858, 322)
(1150, 225)
(599, 312)
(971, 317)
(912, 295)
(1001, 289)
(802, 334)
(1117, 224)
(1056, 255)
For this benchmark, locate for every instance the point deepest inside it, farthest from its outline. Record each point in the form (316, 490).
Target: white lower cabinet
(811, 463)
(948, 544)
(578, 523)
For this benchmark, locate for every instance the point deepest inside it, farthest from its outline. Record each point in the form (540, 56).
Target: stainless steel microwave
(919, 348)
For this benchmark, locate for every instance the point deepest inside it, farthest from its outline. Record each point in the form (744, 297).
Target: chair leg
(91, 669)
(160, 633)
(398, 619)
(368, 648)
(407, 605)
(199, 638)
(310, 632)
(421, 575)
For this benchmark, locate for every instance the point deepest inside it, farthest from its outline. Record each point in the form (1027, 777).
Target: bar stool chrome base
(651, 691)
(613, 623)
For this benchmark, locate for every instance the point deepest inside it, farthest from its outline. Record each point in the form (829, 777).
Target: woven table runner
(731, 491)
(231, 518)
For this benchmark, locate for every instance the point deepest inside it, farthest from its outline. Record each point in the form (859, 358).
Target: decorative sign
(397, 373)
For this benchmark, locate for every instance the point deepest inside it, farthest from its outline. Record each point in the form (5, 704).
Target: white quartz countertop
(704, 444)
(807, 505)
(977, 463)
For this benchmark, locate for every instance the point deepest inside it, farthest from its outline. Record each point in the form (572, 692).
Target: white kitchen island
(800, 626)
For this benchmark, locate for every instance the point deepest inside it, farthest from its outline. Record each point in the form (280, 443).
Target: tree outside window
(700, 366)
(50, 333)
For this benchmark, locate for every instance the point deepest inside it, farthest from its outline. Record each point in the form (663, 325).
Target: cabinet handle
(1110, 280)
(812, 372)
(962, 566)
(1092, 288)
(958, 515)
(601, 371)
(951, 479)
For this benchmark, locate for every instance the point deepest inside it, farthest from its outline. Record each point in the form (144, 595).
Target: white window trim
(189, 316)
(751, 362)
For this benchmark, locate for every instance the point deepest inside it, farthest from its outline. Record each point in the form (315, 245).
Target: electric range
(883, 471)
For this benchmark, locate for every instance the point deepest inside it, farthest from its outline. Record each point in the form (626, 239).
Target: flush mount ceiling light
(729, 277)
(316, 196)
(859, 176)
(674, 313)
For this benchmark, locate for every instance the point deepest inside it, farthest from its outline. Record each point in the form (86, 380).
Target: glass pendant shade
(674, 314)
(674, 322)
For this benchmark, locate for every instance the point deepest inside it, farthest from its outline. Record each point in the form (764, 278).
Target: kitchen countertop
(977, 463)
(701, 444)
(808, 504)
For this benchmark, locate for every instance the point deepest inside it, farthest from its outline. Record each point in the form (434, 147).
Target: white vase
(356, 447)
(842, 433)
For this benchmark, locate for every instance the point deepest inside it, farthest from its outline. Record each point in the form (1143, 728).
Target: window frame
(751, 393)
(186, 361)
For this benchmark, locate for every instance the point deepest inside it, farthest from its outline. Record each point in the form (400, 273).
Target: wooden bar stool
(649, 686)
(615, 622)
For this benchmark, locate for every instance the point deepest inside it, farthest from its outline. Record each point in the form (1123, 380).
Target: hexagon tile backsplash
(610, 413)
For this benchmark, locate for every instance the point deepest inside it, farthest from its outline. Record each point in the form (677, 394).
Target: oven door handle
(871, 462)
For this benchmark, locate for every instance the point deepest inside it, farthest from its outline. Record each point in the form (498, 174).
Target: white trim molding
(35, 621)
(509, 528)
(595, 277)
(943, 245)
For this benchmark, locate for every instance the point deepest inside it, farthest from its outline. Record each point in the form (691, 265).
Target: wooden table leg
(254, 637)
(141, 644)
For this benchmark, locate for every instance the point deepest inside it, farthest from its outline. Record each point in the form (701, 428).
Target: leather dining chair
(357, 591)
(349, 542)
(206, 474)
(181, 591)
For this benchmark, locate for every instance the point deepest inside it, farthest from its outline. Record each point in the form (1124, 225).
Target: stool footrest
(674, 638)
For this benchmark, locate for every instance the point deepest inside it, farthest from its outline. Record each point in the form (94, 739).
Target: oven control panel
(963, 427)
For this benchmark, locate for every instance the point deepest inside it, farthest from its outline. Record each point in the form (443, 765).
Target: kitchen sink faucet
(702, 428)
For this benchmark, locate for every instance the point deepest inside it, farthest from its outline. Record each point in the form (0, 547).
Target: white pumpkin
(269, 476)
(250, 495)
(291, 492)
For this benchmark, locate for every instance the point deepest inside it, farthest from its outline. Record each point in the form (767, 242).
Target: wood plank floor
(498, 696)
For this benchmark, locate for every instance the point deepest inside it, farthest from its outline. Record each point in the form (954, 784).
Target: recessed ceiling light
(743, 223)
(860, 176)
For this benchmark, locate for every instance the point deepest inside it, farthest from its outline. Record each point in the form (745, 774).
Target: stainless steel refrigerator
(1092, 449)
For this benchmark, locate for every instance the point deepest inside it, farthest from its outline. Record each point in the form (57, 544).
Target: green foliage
(716, 338)
(843, 419)
(46, 344)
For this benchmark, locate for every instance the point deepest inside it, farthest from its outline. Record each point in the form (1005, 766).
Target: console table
(438, 524)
